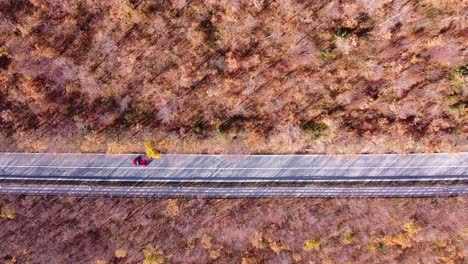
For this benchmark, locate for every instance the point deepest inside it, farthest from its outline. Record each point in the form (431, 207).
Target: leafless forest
(233, 76)
(209, 76)
(152, 231)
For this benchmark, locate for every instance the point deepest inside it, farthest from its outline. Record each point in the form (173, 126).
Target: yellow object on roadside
(151, 151)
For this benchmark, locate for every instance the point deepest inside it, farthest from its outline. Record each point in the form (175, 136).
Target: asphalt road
(83, 174)
(235, 168)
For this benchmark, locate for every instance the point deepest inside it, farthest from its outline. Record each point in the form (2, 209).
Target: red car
(140, 161)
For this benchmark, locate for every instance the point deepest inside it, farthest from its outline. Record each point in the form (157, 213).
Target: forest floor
(209, 76)
(112, 230)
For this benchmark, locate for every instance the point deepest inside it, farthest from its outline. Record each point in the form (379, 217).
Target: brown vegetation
(106, 230)
(233, 76)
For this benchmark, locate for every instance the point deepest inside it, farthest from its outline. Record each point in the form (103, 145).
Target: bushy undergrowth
(383, 76)
(107, 230)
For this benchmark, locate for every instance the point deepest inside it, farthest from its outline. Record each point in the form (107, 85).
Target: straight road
(233, 192)
(180, 168)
